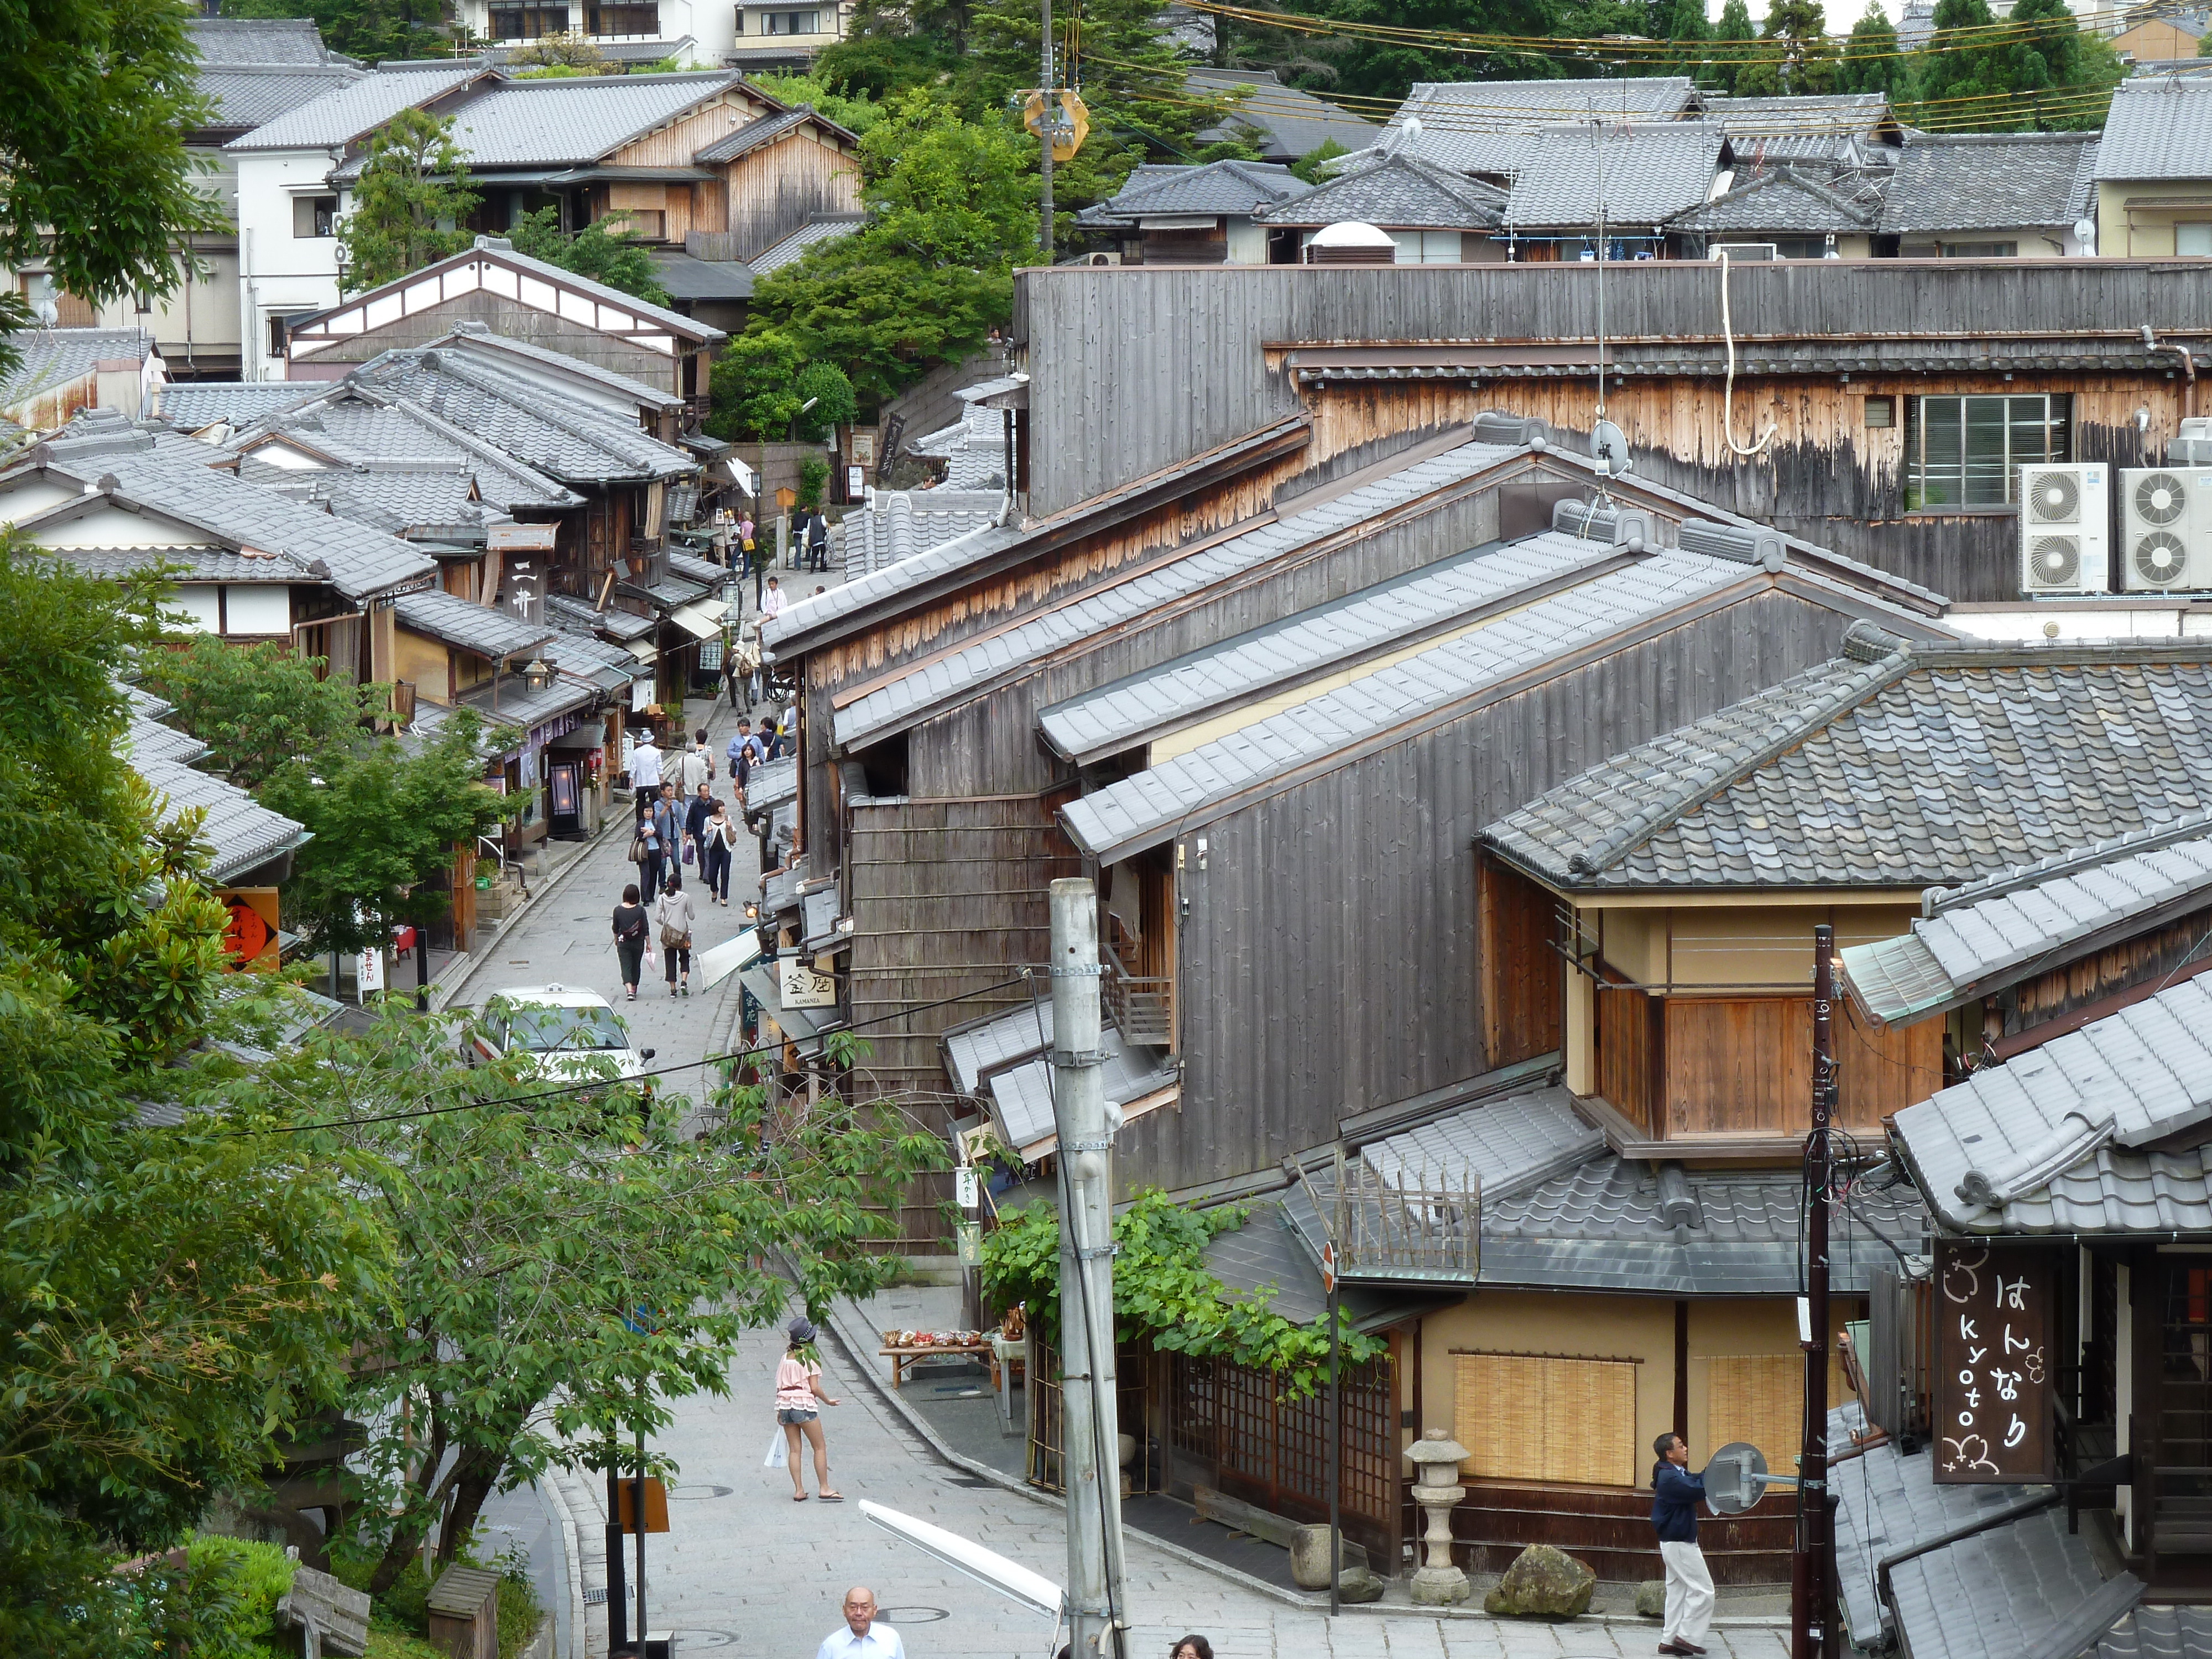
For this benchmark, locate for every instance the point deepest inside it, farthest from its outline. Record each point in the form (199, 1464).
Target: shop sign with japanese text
(1993, 1376)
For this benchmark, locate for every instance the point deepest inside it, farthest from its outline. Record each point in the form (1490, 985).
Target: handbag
(686, 852)
(637, 849)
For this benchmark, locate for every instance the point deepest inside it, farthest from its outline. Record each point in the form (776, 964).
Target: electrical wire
(585, 1084)
(1727, 394)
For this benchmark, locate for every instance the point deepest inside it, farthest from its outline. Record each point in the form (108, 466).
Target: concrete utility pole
(1811, 1621)
(1090, 1431)
(1045, 139)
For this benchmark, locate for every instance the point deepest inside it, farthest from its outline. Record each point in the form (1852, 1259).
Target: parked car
(557, 1031)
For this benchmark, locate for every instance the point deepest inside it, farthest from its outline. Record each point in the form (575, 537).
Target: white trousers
(1689, 1595)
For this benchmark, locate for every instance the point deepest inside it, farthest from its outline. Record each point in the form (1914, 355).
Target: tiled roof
(146, 738)
(519, 705)
(2054, 1141)
(1982, 938)
(189, 405)
(687, 278)
(378, 435)
(1266, 660)
(2158, 128)
(247, 97)
(1991, 181)
(345, 113)
(2007, 1594)
(1488, 126)
(822, 228)
(576, 120)
(1850, 128)
(1785, 200)
(2160, 1632)
(771, 785)
(898, 524)
(1507, 1145)
(200, 564)
(566, 441)
(485, 629)
(245, 833)
(618, 625)
(289, 42)
(1021, 1096)
(973, 1051)
(52, 357)
(1285, 122)
(574, 649)
(1650, 172)
(1397, 191)
(1891, 765)
(1231, 189)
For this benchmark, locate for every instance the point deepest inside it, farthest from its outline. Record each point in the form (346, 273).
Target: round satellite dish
(1609, 444)
(1352, 233)
(2085, 232)
(1732, 1478)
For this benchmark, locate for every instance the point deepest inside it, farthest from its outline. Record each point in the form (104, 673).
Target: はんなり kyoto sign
(1995, 1361)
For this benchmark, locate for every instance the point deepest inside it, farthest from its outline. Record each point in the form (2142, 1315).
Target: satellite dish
(2085, 232)
(1736, 1478)
(1609, 444)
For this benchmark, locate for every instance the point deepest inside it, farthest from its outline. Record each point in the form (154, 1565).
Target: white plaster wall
(279, 272)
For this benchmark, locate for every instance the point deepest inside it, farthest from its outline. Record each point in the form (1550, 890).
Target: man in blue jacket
(1674, 1495)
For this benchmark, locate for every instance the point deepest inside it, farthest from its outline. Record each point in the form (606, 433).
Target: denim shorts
(796, 1414)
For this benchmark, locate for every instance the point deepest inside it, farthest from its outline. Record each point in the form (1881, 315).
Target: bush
(248, 1579)
(814, 476)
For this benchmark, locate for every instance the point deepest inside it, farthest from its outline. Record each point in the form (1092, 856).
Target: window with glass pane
(1967, 452)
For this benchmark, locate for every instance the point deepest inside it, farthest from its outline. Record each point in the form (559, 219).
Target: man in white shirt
(772, 601)
(645, 764)
(863, 1637)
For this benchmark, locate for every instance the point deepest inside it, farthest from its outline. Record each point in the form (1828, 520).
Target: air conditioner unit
(2165, 528)
(1740, 251)
(2065, 517)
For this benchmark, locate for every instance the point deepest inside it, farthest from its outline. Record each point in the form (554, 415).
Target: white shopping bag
(779, 1451)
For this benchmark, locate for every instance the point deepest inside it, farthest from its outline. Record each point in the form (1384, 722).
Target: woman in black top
(629, 938)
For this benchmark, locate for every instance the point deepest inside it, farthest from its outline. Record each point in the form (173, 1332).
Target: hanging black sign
(1994, 1336)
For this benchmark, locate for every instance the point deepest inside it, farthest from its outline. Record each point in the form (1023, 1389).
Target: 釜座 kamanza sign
(802, 984)
(1993, 1376)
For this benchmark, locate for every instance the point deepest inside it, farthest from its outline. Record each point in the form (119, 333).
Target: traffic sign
(1328, 1269)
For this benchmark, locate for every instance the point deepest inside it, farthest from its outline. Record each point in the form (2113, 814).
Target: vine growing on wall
(1163, 1291)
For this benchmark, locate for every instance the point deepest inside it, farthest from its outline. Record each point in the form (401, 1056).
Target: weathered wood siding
(509, 319)
(947, 897)
(676, 144)
(771, 191)
(1523, 987)
(1329, 960)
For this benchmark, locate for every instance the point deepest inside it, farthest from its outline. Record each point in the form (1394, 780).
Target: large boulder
(1651, 1599)
(1543, 1582)
(1358, 1585)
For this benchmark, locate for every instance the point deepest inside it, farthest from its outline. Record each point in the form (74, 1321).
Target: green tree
(825, 386)
(1800, 59)
(950, 208)
(1308, 167)
(386, 823)
(1690, 35)
(1870, 61)
(853, 110)
(607, 251)
(411, 202)
(1736, 54)
(371, 30)
(258, 708)
(813, 479)
(755, 386)
(95, 100)
(572, 1263)
(1385, 69)
(172, 1300)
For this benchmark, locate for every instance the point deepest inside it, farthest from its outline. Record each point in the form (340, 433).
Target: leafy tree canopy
(1870, 63)
(411, 204)
(2046, 73)
(607, 251)
(854, 110)
(371, 30)
(1802, 61)
(258, 708)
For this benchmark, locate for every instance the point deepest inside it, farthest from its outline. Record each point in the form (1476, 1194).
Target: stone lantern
(1436, 1457)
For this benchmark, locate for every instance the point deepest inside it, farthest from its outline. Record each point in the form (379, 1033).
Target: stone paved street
(749, 1571)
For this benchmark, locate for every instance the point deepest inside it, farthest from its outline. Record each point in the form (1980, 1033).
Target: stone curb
(443, 992)
(565, 1517)
(859, 1352)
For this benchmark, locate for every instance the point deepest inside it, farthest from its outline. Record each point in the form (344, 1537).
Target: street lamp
(537, 674)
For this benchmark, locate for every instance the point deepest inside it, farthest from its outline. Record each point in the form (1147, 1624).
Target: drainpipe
(2188, 370)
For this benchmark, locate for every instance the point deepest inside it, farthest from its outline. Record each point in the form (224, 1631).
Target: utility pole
(1050, 126)
(1090, 1431)
(1812, 1622)
(1336, 1446)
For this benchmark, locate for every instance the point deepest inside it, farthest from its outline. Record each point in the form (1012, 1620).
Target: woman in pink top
(797, 1388)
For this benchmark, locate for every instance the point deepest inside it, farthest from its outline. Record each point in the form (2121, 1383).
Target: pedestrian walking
(817, 542)
(718, 841)
(799, 1397)
(694, 766)
(667, 840)
(631, 933)
(647, 849)
(745, 542)
(772, 601)
(674, 915)
(694, 819)
(1674, 1495)
(644, 765)
(865, 1636)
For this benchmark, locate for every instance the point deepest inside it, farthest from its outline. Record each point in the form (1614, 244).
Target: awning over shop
(644, 650)
(703, 619)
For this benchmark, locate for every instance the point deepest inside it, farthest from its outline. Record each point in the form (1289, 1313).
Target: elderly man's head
(859, 1608)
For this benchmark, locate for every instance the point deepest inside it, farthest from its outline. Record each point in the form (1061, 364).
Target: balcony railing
(1142, 1010)
(1408, 1223)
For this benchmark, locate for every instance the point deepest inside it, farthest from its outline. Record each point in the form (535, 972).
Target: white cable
(1728, 395)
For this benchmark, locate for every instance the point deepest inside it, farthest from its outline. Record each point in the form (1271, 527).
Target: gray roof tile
(975, 1051)
(378, 435)
(1285, 122)
(573, 120)
(1507, 1145)
(1397, 191)
(1989, 181)
(620, 625)
(1021, 1096)
(2002, 1594)
(1896, 766)
(1650, 173)
(191, 405)
(1387, 616)
(347, 112)
(1488, 126)
(2160, 1632)
(249, 96)
(956, 675)
(1230, 188)
(1787, 201)
(484, 629)
(2158, 128)
(687, 278)
(765, 130)
(285, 42)
(898, 524)
(244, 834)
(2053, 1141)
(822, 228)
(1989, 934)
(55, 356)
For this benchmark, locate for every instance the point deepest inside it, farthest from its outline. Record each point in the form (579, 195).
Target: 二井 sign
(1994, 1363)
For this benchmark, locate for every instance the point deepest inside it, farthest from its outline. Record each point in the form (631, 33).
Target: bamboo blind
(1760, 1398)
(1530, 1419)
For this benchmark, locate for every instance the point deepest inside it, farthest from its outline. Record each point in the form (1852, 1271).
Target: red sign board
(1995, 1364)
